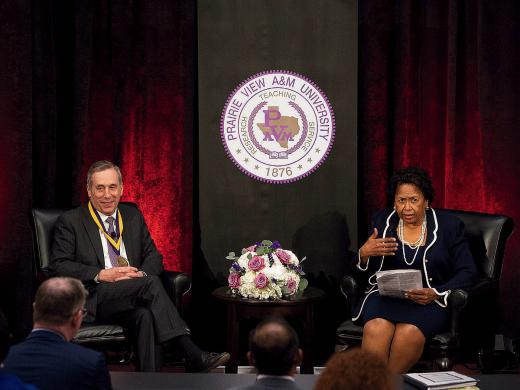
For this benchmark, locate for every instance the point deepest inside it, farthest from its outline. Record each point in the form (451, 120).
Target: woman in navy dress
(411, 236)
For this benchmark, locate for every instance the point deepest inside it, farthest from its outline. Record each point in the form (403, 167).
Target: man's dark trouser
(142, 305)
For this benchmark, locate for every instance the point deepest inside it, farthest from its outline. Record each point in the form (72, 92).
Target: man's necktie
(111, 252)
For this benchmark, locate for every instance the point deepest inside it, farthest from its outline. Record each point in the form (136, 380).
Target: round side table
(239, 308)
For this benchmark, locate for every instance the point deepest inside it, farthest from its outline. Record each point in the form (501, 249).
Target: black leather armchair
(95, 335)
(473, 310)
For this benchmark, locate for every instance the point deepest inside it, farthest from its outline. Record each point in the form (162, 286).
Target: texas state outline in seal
(277, 126)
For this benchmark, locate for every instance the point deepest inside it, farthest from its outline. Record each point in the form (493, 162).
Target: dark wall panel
(315, 216)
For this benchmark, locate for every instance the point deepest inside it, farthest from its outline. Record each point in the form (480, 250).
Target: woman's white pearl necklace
(412, 245)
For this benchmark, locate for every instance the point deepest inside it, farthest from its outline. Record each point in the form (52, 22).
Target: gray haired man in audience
(47, 358)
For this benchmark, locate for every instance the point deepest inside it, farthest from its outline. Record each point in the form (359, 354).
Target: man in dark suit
(108, 247)
(47, 358)
(273, 350)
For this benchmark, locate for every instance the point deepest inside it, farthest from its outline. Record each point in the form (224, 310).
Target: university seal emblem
(277, 126)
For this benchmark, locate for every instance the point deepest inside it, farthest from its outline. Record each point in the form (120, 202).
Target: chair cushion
(90, 333)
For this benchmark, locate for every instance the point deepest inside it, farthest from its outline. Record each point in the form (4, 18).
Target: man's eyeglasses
(83, 312)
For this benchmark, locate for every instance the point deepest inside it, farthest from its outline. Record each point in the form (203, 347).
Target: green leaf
(285, 290)
(249, 256)
(303, 285)
(267, 243)
(231, 256)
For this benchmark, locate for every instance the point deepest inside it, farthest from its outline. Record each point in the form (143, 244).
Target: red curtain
(115, 81)
(82, 81)
(138, 111)
(438, 88)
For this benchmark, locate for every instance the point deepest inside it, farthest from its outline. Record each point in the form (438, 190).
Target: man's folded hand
(119, 273)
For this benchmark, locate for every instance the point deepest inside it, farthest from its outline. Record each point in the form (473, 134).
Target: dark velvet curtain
(82, 81)
(439, 85)
(15, 155)
(114, 80)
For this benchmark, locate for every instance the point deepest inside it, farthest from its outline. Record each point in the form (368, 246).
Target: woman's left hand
(422, 296)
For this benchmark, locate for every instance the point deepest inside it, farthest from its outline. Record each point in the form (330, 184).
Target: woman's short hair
(415, 176)
(355, 369)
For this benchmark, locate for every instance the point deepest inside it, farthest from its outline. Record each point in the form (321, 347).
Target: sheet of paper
(395, 283)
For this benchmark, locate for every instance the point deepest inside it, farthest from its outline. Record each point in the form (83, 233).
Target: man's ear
(250, 358)
(299, 357)
(76, 319)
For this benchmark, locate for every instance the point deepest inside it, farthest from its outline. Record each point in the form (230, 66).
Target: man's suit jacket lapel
(129, 237)
(93, 235)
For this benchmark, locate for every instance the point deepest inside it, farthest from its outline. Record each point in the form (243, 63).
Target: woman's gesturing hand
(378, 246)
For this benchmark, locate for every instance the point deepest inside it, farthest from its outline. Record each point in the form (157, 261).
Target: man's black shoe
(208, 361)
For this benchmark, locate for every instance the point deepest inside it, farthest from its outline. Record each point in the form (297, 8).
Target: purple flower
(276, 245)
(296, 268)
(256, 263)
(261, 280)
(236, 266)
(291, 285)
(271, 260)
(283, 256)
(234, 280)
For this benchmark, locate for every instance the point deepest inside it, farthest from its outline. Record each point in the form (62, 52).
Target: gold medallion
(122, 262)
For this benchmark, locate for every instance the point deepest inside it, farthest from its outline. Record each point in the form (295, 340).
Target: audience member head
(273, 348)
(59, 305)
(355, 369)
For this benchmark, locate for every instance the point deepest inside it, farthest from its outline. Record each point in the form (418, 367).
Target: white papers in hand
(394, 283)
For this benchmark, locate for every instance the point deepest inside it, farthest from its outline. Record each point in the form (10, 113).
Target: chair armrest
(459, 298)
(349, 288)
(176, 285)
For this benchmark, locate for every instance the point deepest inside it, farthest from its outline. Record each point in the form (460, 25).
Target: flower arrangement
(266, 271)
